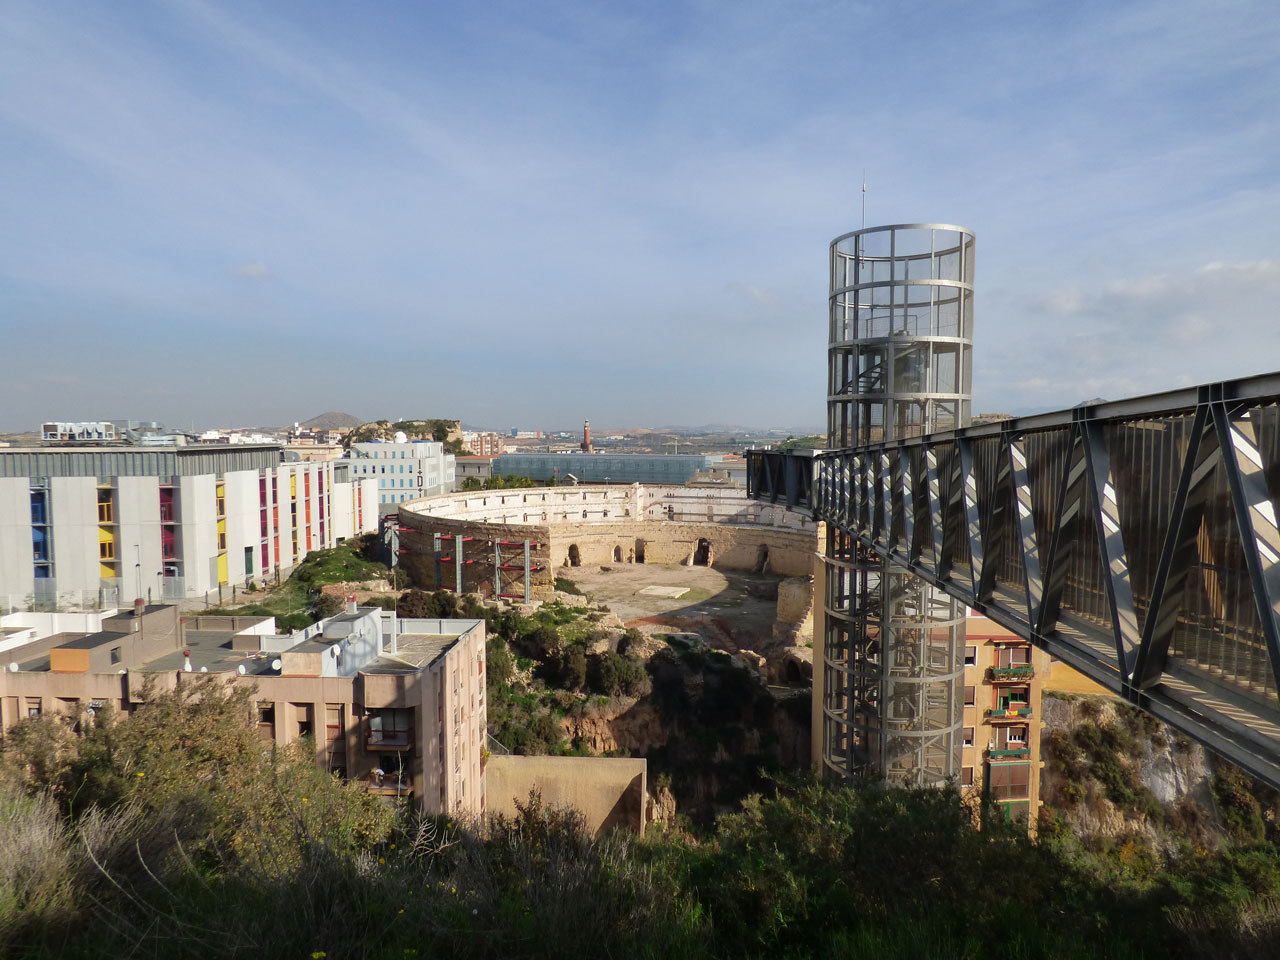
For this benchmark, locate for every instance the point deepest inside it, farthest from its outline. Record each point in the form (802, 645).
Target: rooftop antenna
(864, 198)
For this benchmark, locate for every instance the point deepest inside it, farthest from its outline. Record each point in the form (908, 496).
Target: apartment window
(1013, 698)
(248, 561)
(968, 736)
(106, 507)
(222, 540)
(966, 776)
(304, 719)
(334, 740)
(389, 729)
(1018, 735)
(33, 706)
(115, 654)
(266, 720)
(106, 550)
(1018, 656)
(970, 656)
(1010, 781)
(970, 694)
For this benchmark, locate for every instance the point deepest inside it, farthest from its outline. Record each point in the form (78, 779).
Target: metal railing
(1137, 541)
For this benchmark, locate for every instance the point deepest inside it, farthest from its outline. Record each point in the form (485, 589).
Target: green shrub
(572, 668)
(631, 638)
(326, 605)
(612, 674)
(499, 664)
(542, 643)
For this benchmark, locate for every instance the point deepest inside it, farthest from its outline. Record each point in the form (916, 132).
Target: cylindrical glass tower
(899, 364)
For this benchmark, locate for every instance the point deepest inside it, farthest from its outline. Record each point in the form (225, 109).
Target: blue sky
(528, 213)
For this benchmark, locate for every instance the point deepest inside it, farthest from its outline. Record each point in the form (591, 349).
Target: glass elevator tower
(899, 364)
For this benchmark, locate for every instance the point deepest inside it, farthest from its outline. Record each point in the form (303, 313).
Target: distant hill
(333, 421)
(448, 432)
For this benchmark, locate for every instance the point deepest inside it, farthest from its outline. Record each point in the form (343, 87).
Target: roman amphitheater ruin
(512, 543)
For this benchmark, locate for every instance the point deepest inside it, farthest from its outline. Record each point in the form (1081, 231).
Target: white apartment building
(83, 527)
(404, 469)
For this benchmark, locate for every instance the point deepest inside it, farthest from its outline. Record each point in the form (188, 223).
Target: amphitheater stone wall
(571, 526)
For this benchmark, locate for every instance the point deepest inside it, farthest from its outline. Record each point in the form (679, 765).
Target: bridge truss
(1136, 541)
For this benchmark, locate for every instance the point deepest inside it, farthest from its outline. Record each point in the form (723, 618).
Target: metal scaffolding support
(489, 554)
(1137, 541)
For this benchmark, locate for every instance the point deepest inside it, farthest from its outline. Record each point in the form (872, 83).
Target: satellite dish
(334, 651)
(240, 670)
(13, 667)
(276, 664)
(204, 669)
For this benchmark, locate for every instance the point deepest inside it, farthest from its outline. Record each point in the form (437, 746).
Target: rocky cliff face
(1113, 771)
(710, 727)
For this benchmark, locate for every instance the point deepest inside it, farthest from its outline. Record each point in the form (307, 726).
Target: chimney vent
(351, 603)
(139, 607)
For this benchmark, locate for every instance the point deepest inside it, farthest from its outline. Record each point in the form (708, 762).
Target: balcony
(1012, 712)
(388, 739)
(390, 784)
(1021, 671)
(1008, 753)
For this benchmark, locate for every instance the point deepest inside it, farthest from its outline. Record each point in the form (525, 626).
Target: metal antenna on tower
(864, 197)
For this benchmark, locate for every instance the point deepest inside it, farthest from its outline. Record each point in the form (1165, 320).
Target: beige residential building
(396, 704)
(1003, 678)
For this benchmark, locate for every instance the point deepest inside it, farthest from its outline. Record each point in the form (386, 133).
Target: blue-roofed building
(603, 467)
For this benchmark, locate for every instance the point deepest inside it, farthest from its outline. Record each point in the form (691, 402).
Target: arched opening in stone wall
(575, 558)
(702, 555)
(639, 551)
(762, 558)
(617, 554)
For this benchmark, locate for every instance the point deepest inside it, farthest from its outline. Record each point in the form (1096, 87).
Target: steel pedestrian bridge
(1136, 541)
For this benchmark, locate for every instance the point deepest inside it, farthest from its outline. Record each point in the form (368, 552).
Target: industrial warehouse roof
(137, 461)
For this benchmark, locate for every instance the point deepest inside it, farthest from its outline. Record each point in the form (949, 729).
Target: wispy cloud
(1143, 333)
(511, 185)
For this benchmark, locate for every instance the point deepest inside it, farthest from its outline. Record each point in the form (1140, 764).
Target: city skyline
(241, 215)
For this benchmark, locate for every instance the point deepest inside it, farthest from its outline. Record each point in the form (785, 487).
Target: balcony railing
(1022, 671)
(1008, 753)
(390, 784)
(388, 739)
(1008, 713)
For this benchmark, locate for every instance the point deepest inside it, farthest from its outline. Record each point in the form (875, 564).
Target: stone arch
(617, 554)
(762, 558)
(639, 550)
(702, 553)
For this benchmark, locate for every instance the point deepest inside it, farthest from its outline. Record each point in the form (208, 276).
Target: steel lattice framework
(1136, 541)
